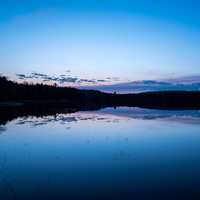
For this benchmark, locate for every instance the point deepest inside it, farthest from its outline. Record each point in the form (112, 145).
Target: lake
(123, 153)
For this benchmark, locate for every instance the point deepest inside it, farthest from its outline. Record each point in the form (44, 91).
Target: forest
(52, 95)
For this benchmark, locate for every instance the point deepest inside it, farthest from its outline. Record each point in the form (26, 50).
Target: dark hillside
(53, 96)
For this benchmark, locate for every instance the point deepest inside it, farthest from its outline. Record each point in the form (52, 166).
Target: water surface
(124, 153)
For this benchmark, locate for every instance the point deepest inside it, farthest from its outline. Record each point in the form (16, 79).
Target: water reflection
(67, 119)
(112, 115)
(2, 129)
(123, 153)
(39, 121)
(184, 116)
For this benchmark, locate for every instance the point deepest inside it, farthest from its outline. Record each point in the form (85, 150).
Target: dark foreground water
(107, 154)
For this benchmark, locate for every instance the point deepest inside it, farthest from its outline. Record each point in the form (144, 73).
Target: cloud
(67, 80)
(60, 79)
(101, 80)
(87, 81)
(45, 77)
(23, 76)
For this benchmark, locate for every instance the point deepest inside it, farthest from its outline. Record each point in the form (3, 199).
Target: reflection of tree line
(9, 113)
(43, 114)
(35, 116)
(46, 111)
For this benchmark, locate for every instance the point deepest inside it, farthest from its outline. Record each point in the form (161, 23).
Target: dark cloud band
(61, 79)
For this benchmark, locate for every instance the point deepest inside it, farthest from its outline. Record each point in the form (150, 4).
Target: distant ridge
(190, 83)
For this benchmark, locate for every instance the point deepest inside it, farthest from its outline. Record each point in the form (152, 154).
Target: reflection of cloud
(186, 79)
(2, 129)
(34, 121)
(184, 116)
(109, 115)
(66, 119)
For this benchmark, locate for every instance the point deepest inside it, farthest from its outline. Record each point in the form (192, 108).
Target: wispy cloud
(64, 79)
(111, 84)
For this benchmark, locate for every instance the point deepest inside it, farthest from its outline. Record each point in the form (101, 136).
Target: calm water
(107, 154)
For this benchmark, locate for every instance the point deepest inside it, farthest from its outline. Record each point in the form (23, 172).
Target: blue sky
(129, 39)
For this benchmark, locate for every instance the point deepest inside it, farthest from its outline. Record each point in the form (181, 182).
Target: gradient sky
(130, 39)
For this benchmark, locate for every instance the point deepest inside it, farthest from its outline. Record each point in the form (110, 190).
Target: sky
(115, 40)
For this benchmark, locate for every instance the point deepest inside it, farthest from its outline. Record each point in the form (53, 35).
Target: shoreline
(162, 100)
